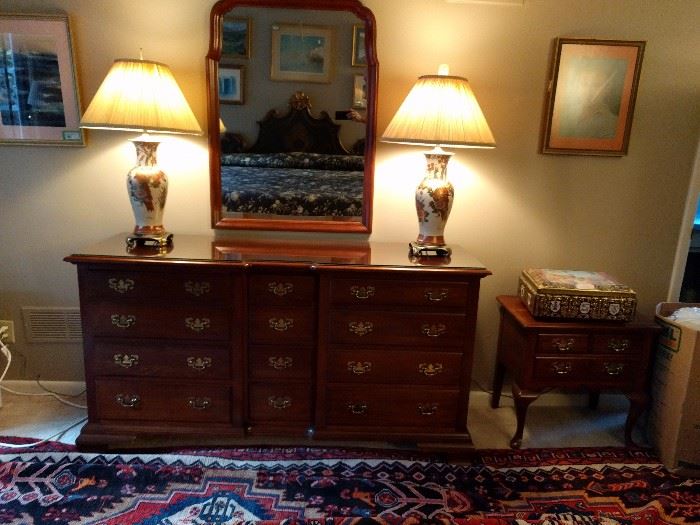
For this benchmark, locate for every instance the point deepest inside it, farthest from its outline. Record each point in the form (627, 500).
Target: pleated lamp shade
(440, 110)
(140, 95)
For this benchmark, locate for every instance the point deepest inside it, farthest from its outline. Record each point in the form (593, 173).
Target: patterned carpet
(54, 484)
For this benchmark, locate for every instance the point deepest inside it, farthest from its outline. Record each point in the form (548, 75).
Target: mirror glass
(292, 103)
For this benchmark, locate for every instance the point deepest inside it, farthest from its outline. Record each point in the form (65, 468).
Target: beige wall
(514, 207)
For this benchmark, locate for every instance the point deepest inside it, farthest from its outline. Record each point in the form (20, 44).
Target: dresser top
(212, 250)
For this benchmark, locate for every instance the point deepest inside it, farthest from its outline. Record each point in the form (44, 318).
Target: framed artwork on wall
(301, 53)
(39, 101)
(359, 58)
(359, 95)
(231, 84)
(235, 37)
(591, 95)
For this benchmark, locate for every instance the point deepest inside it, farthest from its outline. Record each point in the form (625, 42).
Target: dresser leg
(522, 400)
(498, 376)
(637, 405)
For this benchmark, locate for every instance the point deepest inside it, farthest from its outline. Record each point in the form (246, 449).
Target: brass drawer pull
(281, 325)
(126, 360)
(121, 285)
(123, 321)
(427, 409)
(280, 363)
(199, 363)
(279, 403)
(357, 409)
(280, 289)
(562, 345)
(362, 292)
(433, 330)
(613, 369)
(561, 368)
(618, 345)
(436, 297)
(359, 368)
(128, 400)
(199, 403)
(196, 324)
(430, 369)
(197, 288)
(360, 328)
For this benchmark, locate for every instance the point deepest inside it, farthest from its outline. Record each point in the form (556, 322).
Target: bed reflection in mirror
(295, 114)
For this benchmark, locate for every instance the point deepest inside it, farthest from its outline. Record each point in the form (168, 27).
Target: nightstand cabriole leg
(522, 400)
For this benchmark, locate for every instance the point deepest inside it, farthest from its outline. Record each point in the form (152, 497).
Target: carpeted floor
(54, 484)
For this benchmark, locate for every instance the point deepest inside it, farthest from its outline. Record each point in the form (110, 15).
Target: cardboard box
(674, 417)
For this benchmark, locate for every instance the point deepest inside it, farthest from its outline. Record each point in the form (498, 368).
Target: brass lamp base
(150, 240)
(429, 250)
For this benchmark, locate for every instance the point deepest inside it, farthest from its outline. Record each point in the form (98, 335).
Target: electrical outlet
(8, 336)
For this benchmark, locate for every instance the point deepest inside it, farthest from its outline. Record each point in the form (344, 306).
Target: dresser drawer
(279, 402)
(561, 344)
(382, 407)
(282, 325)
(201, 286)
(138, 320)
(413, 330)
(584, 371)
(152, 360)
(279, 362)
(366, 292)
(617, 344)
(394, 366)
(281, 290)
(161, 401)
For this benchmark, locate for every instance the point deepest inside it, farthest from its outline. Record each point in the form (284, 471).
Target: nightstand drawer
(282, 325)
(394, 366)
(584, 371)
(617, 344)
(202, 287)
(277, 289)
(561, 344)
(280, 402)
(366, 327)
(149, 322)
(162, 401)
(379, 408)
(279, 362)
(152, 360)
(367, 292)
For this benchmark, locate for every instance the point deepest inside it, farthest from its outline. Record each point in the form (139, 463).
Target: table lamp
(143, 96)
(440, 110)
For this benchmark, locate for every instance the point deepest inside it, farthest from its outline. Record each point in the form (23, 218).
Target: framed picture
(592, 90)
(231, 84)
(359, 55)
(359, 93)
(39, 102)
(235, 37)
(301, 53)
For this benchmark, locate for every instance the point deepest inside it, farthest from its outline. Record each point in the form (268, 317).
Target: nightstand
(590, 355)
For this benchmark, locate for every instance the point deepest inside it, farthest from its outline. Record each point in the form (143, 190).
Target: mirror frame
(218, 220)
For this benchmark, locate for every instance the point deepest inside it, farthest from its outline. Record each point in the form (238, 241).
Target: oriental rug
(54, 484)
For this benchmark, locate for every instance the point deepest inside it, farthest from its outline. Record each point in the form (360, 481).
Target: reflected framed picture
(235, 37)
(591, 96)
(39, 101)
(231, 84)
(301, 53)
(359, 94)
(359, 55)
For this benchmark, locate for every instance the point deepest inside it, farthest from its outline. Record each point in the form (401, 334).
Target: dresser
(221, 340)
(591, 355)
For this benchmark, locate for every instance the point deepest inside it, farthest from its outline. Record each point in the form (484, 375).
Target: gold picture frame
(39, 99)
(359, 52)
(235, 37)
(591, 96)
(302, 53)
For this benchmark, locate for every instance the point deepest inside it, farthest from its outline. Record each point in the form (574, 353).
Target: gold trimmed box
(576, 295)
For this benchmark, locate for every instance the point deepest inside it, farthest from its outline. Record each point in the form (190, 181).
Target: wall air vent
(50, 324)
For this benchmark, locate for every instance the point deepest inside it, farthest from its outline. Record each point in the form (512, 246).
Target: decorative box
(573, 294)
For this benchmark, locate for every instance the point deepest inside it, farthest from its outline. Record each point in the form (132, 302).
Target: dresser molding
(216, 340)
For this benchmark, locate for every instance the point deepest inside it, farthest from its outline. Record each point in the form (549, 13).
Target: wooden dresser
(218, 340)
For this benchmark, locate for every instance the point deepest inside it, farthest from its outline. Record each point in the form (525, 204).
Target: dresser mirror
(292, 115)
